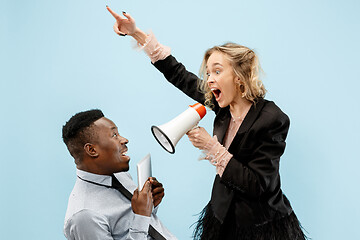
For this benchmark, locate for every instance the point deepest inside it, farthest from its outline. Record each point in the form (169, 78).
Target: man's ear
(90, 150)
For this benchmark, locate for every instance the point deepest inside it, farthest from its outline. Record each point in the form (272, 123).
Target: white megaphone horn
(171, 132)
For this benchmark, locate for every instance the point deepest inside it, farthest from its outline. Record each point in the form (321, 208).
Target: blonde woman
(248, 139)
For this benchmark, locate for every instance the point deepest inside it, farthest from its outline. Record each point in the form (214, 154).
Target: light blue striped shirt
(101, 213)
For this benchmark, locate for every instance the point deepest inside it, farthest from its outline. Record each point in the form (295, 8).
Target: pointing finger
(115, 15)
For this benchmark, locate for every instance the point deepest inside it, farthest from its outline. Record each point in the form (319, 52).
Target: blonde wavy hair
(246, 66)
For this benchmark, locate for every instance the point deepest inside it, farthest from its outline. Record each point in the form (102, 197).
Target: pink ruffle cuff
(217, 155)
(154, 49)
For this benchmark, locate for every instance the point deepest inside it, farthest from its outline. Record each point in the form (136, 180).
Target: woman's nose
(210, 79)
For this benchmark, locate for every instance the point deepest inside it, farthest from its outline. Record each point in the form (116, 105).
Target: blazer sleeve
(176, 73)
(255, 170)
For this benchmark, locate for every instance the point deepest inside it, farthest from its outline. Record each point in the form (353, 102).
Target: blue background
(61, 57)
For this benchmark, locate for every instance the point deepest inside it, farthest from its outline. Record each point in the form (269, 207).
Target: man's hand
(123, 26)
(157, 191)
(142, 202)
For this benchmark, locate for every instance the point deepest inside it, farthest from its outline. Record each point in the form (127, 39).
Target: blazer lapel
(249, 120)
(221, 123)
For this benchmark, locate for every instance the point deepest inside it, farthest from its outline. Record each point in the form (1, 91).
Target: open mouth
(216, 92)
(124, 151)
(124, 155)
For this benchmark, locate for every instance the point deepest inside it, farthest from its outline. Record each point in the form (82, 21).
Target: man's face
(111, 148)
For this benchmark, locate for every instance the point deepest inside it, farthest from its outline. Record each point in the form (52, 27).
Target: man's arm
(87, 224)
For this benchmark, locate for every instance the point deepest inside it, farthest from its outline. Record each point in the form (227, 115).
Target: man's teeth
(124, 153)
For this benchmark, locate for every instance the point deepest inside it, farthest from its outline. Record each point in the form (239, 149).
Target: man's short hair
(77, 131)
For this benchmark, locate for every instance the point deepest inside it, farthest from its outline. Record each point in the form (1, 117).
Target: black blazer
(249, 188)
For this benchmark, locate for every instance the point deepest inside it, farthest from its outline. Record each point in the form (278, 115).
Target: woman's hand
(199, 137)
(123, 26)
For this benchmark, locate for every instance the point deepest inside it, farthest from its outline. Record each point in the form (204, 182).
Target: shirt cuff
(140, 223)
(155, 209)
(154, 49)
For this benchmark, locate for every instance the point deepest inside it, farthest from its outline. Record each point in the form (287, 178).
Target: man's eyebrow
(114, 128)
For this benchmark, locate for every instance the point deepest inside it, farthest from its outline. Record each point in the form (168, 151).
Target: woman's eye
(217, 72)
(208, 74)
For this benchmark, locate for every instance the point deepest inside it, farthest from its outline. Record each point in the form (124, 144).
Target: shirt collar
(96, 178)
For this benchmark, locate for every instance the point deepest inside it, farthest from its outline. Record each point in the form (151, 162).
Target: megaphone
(171, 132)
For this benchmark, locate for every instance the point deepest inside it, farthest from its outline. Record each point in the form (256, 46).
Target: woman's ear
(237, 80)
(90, 150)
(240, 84)
(242, 87)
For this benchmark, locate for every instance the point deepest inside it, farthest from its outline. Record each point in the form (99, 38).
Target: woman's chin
(222, 104)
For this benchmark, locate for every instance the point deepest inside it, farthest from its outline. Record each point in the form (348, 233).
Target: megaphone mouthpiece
(200, 109)
(171, 132)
